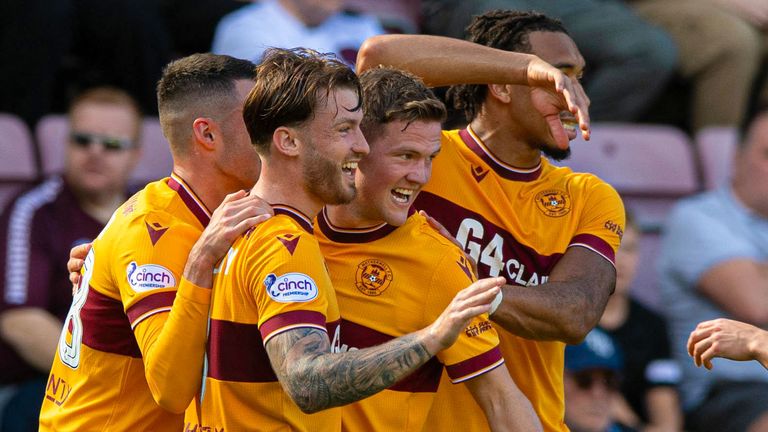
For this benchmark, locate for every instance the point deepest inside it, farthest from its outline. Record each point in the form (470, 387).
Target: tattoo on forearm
(317, 379)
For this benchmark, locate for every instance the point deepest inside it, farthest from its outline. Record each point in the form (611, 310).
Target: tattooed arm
(317, 379)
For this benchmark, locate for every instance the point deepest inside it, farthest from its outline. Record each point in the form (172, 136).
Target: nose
(360, 145)
(421, 172)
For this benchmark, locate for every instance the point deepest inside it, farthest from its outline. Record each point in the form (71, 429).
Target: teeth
(569, 124)
(402, 191)
(349, 166)
(402, 195)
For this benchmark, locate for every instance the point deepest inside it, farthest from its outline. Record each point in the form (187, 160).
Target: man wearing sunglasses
(38, 230)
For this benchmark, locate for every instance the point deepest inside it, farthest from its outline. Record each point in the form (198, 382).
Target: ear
(286, 140)
(206, 132)
(502, 92)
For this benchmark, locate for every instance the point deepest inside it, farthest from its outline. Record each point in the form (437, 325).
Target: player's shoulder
(427, 240)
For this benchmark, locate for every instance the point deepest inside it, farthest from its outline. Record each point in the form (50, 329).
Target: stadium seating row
(25, 158)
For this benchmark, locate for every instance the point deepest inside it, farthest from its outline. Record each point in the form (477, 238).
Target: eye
(405, 156)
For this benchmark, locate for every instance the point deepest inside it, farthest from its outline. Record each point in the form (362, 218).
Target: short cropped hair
(109, 96)
(502, 29)
(289, 86)
(391, 95)
(199, 85)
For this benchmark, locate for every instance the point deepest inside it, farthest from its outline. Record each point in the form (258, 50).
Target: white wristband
(495, 303)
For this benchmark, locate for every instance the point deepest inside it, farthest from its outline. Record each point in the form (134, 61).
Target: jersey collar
(188, 196)
(303, 220)
(476, 145)
(354, 235)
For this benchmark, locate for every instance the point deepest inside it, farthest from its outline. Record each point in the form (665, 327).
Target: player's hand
(238, 213)
(445, 233)
(468, 303)
(723, 338)
(76, 259)
(558, 97)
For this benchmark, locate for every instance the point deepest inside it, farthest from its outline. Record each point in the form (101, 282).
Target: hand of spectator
(238, 213)
(725, 338)
(553, 92)
(444, 232)
(753, 11)
(76, 259)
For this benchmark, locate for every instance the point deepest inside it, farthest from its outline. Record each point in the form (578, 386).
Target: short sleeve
(601, 224)
(476, 350)
(149, 260)
(696, 240)
(289, 283)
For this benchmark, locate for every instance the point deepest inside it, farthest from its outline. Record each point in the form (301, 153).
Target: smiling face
(333, 145)
(391, 176)
(559, 50)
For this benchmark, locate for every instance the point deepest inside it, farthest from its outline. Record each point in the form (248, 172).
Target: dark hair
(199, 85)
(290, 84)
(502, 29)
(391, 95)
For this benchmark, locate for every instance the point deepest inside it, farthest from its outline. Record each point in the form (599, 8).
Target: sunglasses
(585, 380)
(84, 140)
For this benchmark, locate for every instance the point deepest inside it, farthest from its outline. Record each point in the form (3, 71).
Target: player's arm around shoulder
(173, 344)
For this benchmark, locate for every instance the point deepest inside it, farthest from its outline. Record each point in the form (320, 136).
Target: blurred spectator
(592, 379)
(649, 399)
(721, 44)
(629, 59)
(50, 48)
(321, 25)
(714, 263)
(37, 231)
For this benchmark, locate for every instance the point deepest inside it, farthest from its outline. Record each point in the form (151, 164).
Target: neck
(277, 185)
(504, 141)
(348, 216)
(209, 186)
(616, 312)
(100, 206)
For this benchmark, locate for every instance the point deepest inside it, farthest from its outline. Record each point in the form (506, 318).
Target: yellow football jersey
(273, 279)
(97, 381)
(391, 281)
(517, 224)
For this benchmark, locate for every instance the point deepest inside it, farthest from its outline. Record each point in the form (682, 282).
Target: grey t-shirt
(704, 231)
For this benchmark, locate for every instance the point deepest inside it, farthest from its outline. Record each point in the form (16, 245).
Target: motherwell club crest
(373, 277)
(554, 202)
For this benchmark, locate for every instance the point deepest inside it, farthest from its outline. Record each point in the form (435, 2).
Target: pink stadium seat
(156, 161)
(650, 165)
(716, 147)
(17, 159)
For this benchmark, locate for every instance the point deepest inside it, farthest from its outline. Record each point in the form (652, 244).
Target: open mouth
(570, 124)
(402, 195)
(349, 168)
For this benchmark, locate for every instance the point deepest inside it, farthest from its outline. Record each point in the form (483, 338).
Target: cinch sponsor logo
(290, 287)
(149, 276)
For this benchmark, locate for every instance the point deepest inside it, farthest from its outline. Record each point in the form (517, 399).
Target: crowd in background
(689, 63)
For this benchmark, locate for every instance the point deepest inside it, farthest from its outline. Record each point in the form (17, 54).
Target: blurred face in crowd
(398, 166)
(588, 398)
(559, 50)
(103, 147)
(750, 178)
(627, 258)
(313, 12)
